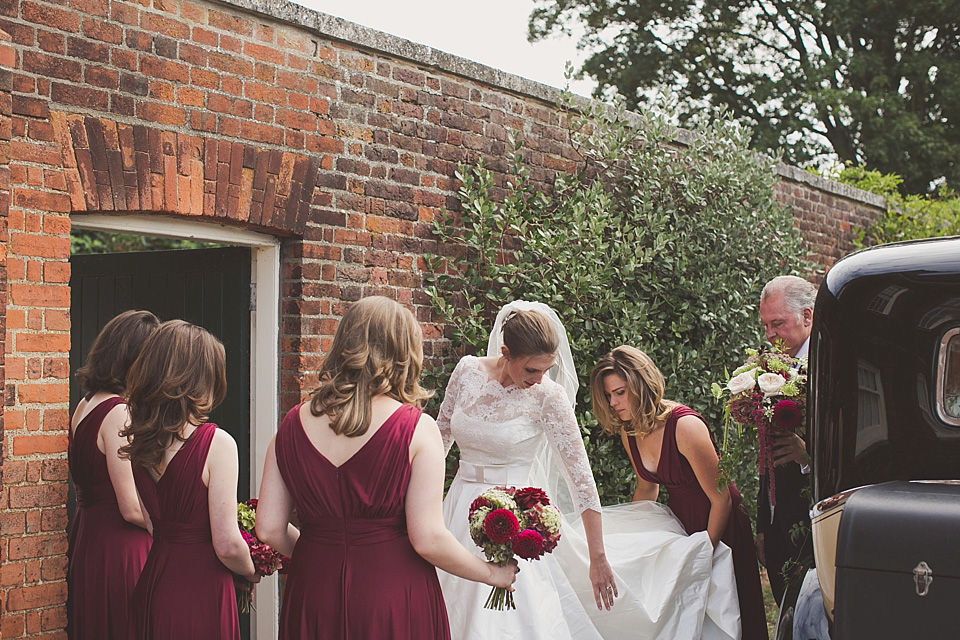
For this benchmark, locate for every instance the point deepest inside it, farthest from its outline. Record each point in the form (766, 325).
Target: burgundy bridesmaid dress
(354, 574)
(691, 505)
(106, 553)
(184, 590)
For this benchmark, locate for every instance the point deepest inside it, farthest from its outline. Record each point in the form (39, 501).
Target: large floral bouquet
(506, 521)
(265, 559)
(768, 395)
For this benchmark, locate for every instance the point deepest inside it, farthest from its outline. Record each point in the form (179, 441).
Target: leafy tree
(875, 82)
(650, 243)
(911, 217)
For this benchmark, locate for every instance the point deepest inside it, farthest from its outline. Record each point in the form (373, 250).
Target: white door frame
(264, 348)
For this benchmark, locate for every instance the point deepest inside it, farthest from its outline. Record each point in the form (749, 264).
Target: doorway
(234, 293)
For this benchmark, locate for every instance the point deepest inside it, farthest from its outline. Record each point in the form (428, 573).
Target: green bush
(910, 217)
(660, 245)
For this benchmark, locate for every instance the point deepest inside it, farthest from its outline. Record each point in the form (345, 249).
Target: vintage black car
(884, 440)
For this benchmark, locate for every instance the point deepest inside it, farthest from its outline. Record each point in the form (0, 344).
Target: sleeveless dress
(354, 574)
(692, 507)
(672, 586)
(106, 553)
(184, 590)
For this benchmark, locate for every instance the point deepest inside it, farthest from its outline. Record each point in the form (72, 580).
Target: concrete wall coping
(347, 32)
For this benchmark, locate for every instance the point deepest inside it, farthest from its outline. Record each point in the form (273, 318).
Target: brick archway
(111, 166)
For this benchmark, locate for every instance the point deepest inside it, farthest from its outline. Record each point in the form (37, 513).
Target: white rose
(743, 382)
(770, 383)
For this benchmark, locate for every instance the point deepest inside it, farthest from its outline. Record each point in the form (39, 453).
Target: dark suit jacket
(793, 507)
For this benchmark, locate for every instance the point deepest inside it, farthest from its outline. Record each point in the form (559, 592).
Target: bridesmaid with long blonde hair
(363, 466)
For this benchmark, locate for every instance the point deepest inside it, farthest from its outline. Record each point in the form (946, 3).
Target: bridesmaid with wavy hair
(186, 471)
(670, 445)
(364, 468)
(108, 541)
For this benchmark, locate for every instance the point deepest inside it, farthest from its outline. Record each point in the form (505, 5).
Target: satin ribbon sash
(354, 532)
(182, 533)
(96, 495)
(496, 474)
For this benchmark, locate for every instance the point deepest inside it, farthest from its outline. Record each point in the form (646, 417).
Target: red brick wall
(339, 140)
(10, 523)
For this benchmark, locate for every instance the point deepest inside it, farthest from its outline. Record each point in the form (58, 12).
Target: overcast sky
(492, 32)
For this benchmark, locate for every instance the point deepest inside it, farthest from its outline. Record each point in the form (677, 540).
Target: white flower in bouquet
(770, 383)
(742, 382)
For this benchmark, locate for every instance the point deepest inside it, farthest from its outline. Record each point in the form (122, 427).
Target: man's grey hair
(798, 294)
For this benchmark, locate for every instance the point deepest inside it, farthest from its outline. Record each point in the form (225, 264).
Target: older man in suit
(786, 311)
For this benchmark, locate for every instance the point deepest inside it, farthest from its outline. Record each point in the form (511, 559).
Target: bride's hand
(503, 576)
(604, 586)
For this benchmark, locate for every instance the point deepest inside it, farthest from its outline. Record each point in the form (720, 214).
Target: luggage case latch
(922, 576)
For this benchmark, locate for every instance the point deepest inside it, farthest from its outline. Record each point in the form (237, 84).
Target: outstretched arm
(563, 433)
(428, 533)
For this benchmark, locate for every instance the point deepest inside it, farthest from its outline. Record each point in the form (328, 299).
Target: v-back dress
(184, 590)
(692, 506)
(672, 586)
(106, 553)
(354, 574)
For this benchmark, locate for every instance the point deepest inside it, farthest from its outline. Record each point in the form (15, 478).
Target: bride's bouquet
(265, 559)
(767, 394)
(507, 522)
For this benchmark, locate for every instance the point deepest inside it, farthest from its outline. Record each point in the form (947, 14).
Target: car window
(949, 377)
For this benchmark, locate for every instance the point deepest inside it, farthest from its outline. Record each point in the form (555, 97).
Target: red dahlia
(531, 496)
(528, 545)
(479, 503)
(501, 525)
(787, 415)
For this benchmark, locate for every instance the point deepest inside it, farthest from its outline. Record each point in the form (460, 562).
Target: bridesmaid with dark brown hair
(108, 541)
(186, 472)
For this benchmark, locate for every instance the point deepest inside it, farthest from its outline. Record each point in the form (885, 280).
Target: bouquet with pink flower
(507, 522)
(265, 559)
(768, 395)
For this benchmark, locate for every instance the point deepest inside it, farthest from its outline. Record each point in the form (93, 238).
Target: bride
(511, 413)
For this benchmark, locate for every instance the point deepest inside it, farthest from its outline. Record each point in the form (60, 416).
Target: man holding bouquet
(786, 311)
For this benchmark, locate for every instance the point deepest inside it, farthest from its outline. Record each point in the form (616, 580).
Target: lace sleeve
(563, 434)
(450, 395)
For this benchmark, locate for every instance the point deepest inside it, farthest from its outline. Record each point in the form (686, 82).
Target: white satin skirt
(671, 586)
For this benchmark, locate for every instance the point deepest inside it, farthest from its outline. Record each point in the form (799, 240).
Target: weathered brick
(164, 114)
(80, 96)
(52, 66)
(35, 13)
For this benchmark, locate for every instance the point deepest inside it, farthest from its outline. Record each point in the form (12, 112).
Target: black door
(208, 287)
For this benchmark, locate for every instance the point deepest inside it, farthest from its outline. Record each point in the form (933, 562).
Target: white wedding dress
(672, 586)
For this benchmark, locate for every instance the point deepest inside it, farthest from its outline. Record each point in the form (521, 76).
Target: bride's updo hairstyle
(378, 349)
(644, 383)
(529, 333)
(180, 377)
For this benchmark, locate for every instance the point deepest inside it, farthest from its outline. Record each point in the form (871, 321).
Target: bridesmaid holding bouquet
(364, 469)
(108, 542)
(186, 472)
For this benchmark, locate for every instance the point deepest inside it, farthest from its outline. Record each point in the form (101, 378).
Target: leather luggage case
(891, 535)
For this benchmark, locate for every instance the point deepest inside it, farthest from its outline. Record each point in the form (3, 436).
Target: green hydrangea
(246, 516)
